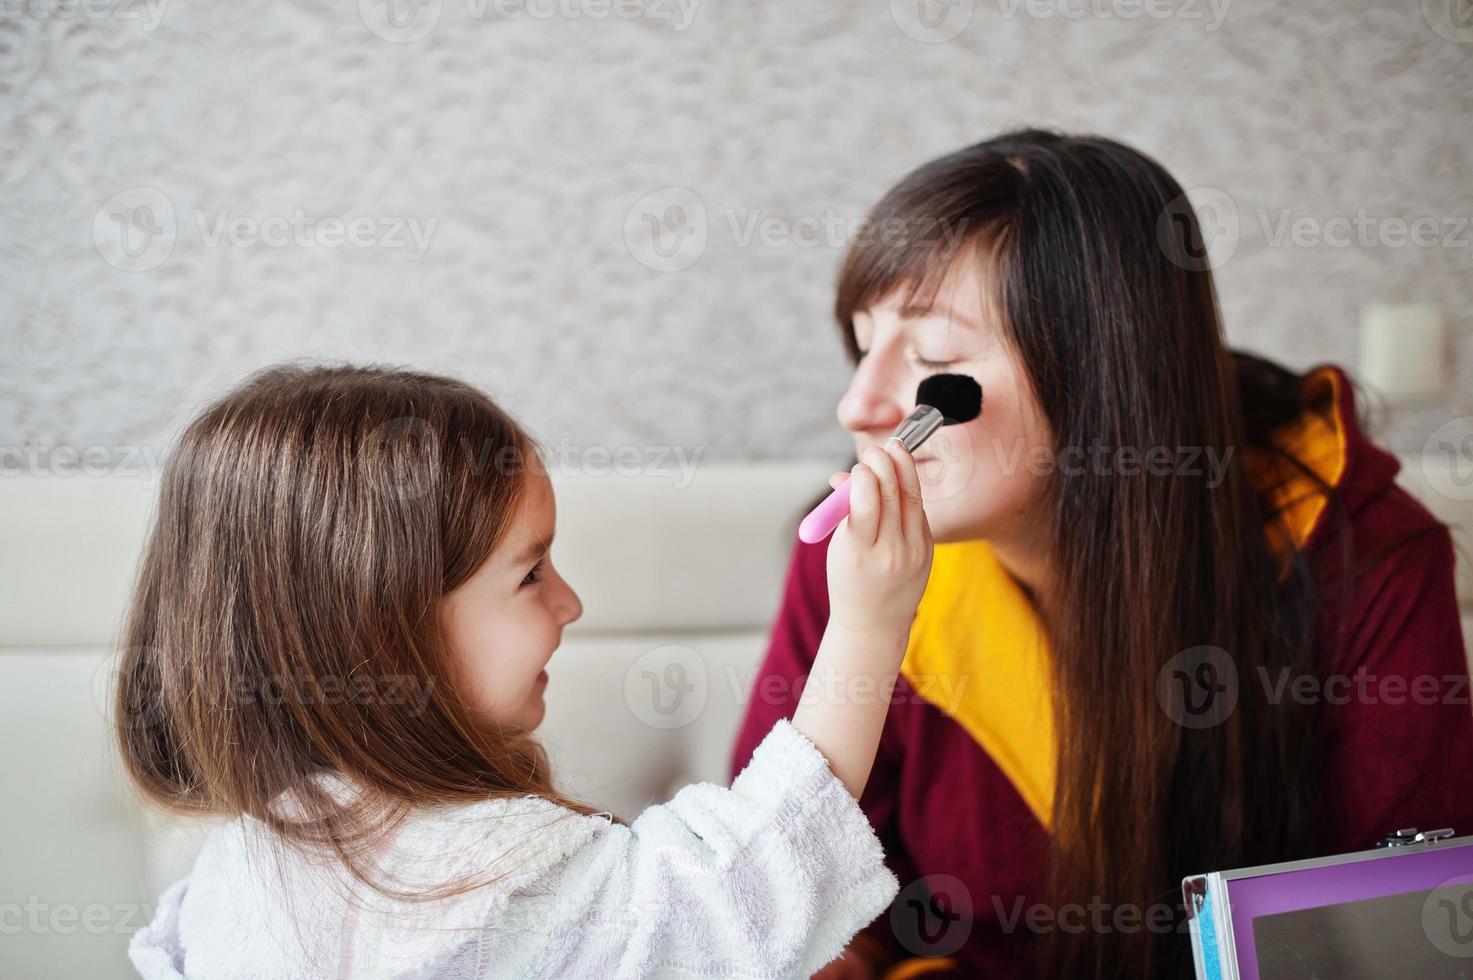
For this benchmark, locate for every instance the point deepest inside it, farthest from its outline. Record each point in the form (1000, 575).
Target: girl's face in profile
(504, 622)
(982, 479)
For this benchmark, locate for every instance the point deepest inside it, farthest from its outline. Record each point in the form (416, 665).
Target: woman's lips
(541, 677)
(923, 460)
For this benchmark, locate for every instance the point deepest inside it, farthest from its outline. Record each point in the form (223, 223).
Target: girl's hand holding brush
(878, 563)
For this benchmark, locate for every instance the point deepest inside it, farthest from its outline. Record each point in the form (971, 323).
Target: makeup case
(1401, 910)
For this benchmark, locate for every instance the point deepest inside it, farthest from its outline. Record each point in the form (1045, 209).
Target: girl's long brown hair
(1099, 273)
(285, 620)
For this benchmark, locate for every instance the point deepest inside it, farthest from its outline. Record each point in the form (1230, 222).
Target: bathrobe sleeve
(770, 878)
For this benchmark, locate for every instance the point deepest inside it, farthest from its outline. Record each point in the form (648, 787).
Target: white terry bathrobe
(770, 878)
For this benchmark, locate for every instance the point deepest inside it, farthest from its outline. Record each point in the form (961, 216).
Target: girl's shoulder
(513, 837)
(251, 898)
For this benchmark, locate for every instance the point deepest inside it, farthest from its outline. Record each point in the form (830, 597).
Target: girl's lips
(542, 677)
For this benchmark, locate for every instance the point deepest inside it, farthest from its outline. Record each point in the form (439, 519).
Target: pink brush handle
(822, 520)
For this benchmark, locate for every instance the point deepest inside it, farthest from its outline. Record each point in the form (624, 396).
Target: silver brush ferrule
(918, 427)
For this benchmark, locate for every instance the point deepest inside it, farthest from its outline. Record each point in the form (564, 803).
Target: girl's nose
(874, 400)
(569, 607)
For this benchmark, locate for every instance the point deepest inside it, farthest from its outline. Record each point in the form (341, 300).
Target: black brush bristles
(957, 397)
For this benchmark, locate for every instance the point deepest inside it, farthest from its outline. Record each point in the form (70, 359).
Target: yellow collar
(978, 652)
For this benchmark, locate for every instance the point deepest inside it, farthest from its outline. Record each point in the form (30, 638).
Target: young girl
(337, 644)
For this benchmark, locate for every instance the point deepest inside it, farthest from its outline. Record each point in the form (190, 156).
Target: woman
(1178, 604)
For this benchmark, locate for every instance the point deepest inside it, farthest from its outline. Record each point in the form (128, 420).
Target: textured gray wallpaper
(623, 217)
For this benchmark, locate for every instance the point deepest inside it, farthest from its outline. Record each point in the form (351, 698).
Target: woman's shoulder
(1378, 554)
(1385, 549)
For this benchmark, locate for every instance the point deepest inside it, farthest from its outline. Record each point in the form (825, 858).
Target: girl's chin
(526, 717)
(533, 713)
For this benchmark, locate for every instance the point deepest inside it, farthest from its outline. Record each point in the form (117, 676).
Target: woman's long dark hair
(1099, 275)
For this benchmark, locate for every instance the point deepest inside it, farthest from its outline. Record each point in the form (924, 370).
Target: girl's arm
(877, 573)
(769, 878)
(773, 694)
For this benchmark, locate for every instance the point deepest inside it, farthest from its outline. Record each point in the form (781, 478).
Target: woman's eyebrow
(937, 310)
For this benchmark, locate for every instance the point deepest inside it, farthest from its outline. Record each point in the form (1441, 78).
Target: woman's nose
(873, 400)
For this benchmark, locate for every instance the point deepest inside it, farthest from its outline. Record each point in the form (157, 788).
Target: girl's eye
(533, 576)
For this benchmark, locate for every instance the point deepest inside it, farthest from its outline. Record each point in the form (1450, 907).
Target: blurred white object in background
(1403, 352)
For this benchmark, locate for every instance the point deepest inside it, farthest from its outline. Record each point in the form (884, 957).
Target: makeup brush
(942, 399)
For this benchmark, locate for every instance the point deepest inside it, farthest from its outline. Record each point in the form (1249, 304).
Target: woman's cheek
(981, 474)
(947, 462)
